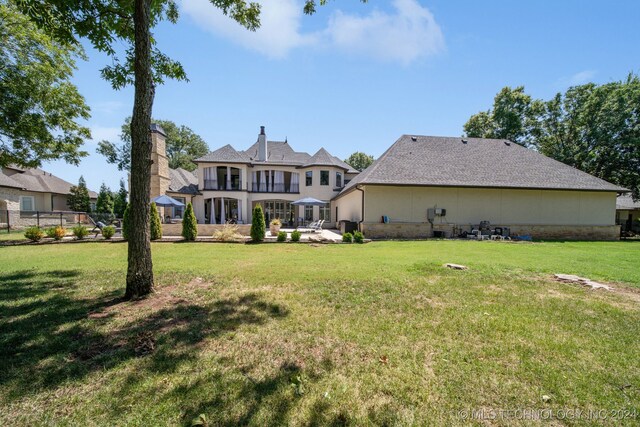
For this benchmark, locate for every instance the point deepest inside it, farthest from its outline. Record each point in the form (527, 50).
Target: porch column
(228, 177)
(212, 212)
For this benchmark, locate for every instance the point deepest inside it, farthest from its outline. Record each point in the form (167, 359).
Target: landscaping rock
(570, 278)
(456, 266)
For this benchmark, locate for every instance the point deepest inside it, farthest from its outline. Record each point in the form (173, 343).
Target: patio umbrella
(166, 201)
(309, 201)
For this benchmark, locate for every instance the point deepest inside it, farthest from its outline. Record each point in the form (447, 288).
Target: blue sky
(355, 76)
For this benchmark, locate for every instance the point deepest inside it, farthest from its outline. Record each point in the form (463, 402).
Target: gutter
(359, 188)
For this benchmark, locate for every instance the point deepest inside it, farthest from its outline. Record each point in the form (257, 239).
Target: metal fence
(17, 220)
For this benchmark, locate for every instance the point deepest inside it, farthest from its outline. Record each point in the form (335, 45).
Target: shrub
(155, 226)
(282, 236)
(59, 232)
(276, 222)
(228, 233)
(80, 231)
(108, 231)
(50, 232)
(347, 237)
(34, 234)
(257, 224)
(189, 224)
(358, 237)
(295, 236)
(125, 222)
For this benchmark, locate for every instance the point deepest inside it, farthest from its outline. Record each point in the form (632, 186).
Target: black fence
(18, 220)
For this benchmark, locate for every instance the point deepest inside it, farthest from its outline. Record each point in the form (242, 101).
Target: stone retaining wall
(203, 229)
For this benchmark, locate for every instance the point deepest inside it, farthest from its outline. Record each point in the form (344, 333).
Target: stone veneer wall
(554, 232)
(204, 230)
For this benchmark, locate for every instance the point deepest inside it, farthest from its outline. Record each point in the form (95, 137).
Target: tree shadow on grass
(47, 336)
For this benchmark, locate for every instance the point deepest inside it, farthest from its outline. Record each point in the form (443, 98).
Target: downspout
(359, 188)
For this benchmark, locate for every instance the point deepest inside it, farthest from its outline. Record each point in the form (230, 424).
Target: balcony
(275, 188)
(211, 184)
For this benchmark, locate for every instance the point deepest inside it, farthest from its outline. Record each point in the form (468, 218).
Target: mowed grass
(377, 334)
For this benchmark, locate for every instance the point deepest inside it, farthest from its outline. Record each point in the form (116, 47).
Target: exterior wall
(204, 230)
(350, 207)
(622, 217)
(160, 165)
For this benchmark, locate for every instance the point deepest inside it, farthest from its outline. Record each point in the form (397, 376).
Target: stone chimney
(160, 164)
(262, 145)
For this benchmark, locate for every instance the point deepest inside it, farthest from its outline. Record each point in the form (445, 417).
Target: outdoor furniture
(313, 227)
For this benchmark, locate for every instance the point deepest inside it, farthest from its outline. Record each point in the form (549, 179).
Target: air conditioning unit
(440, 212)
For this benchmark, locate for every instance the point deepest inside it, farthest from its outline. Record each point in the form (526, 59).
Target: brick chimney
(262, 145)
(160, 164)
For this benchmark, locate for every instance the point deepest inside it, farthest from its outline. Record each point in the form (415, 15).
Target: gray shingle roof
(43, 182)
(442, 161)
(278, 152)
(183, 181)
(226, 154)
(626, 202)
(323, 158)
(6, 181)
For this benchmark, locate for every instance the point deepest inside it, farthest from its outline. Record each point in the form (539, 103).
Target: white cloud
(409, 33)
(404, 36)
(100, 133)
(279, 31)
(581, 78)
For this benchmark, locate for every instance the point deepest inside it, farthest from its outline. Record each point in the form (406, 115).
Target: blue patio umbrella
(308, 201)
(166, 201)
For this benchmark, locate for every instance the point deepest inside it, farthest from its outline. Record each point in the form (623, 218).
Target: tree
(39, 106)
(108, 25)
(156, 226)
(594, 128)
(104, 204)
(189, 224)
(183, 146)
(512, 117)
(126, 222)
(78, 199)
(258, 227)
(359, 161)
(120, 200)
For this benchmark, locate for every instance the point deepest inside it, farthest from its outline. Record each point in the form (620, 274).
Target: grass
(317, 335)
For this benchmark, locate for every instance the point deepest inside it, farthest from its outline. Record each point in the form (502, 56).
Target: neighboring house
(628, 213)
(26, 191)
(469, 180)
(229, 183)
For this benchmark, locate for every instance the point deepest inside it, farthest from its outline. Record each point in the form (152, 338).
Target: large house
(25, 191)
(229, 183)
(628, 213)
(420, 187)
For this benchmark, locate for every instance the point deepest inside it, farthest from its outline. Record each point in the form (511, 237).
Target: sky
(355, 76)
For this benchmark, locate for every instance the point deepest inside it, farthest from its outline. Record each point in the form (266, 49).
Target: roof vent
(507, 143)
(464, 141)
(414, 138)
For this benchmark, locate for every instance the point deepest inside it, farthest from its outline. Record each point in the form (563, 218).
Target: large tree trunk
(140, 267)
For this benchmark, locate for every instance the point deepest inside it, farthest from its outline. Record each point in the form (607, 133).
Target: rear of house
(424, 186)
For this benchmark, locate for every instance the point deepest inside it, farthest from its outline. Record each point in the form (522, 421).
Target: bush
(228, 233)
(34, 234)
(282, 236)
(80, 231)
(57, 232)
(295, 236)
(50, 232)
(108, 231)
(347, 237)
(125, 222)
(358, 237)
(189, 224)
(155, 226)
(257, 224)
(276, 222)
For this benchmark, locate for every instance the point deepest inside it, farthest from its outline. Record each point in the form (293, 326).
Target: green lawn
(318, 335)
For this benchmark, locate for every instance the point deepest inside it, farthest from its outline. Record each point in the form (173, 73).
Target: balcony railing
(276, 188)
(222, 186)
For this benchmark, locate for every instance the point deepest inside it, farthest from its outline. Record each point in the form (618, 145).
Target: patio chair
(311, 227)
(317, 226)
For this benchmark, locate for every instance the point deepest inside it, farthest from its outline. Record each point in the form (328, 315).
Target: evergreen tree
(104, 205)
(156, 227)
(126, 222)
(258, 226)
(78, 199)
(189, 224)
(120, 200)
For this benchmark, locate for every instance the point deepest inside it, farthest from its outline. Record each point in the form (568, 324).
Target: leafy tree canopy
(39, 106)
(104, 204)
(183, 146)
(594, 128)
(120, 200)
(78, 199)
(359, 161)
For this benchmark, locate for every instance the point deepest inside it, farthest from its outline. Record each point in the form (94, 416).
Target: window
(324, 177)
(178, 211)
(325, 212)
(308, 213)
(27, 203)
(308, 177)
(338, 179)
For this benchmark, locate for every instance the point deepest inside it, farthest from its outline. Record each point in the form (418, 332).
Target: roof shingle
(183, 181)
